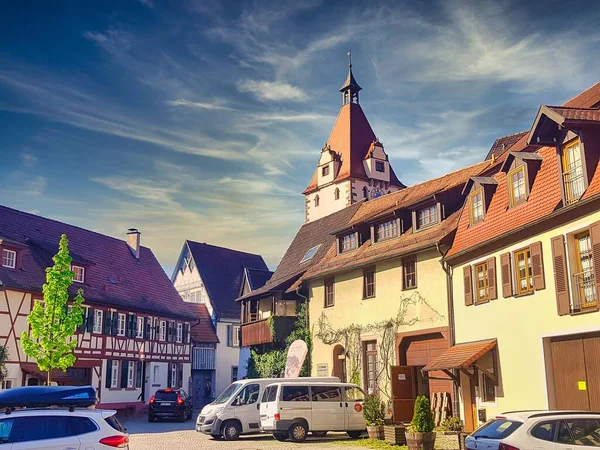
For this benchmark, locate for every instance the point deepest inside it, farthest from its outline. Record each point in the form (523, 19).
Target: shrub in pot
(374, 414)
(419, 434)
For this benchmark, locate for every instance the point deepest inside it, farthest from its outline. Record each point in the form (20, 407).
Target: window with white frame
(179, 332)
(154, 328)
(78, 273)
(6, 384)
(140, 328)
(131, 374)
(155, 374)
(98, 316)
(114, 375)
(236, 336)
(163, 330)
(9, 258)
(122, 325)
(173, 375)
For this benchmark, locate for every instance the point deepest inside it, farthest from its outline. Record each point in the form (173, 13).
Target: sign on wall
(323, 370)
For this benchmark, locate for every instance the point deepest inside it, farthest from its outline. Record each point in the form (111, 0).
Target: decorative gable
(376, 163)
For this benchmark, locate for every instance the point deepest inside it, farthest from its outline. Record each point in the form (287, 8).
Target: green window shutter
(90, 320)
(169, 377)
(140, 372)
(108, 376)
(124, 367)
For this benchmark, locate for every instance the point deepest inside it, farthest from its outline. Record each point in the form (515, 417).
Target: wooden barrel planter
(395, 434)
(420, 441)
(375, 432)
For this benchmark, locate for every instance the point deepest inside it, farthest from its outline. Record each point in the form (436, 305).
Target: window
(427, 216)
(295, 394)
(234, 374)
(79, 274)
(476, 206)
(122, 325)
(329, 292)
(173, 375)
(114, 375)
(310, 253)
(379, 166)
(38, 428)
(497, 429)
(81, 425)
(409, 269)
(163, 330)
(354, 394)
(516, 185)
(316, 201)
(544, 431)
(236, 336)
(9, 258)
(481, 282)
(573, 177)
(325, 170)
(130, 374)
(6, 384)
(349, 242)
(326, 394)
(5, 428)
(270, 394)
(523, 272)
(387, 230)
(489, 390)
(179, 335)
(336, 194)
(139, 332)
(370, 361)
(155, 375)
(369, 283)
(584, 278)
(98, 316)
(365, 192)
(248, 395)
(583, 432)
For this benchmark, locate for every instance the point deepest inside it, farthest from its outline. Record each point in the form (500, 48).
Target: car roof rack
(47, 396)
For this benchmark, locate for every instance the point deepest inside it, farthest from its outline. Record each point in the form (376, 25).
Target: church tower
(353, 165)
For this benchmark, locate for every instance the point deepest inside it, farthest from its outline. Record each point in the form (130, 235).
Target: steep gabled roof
(503, 144)
(222, 272)
(257, 278)
(114, 277)
(203, 331)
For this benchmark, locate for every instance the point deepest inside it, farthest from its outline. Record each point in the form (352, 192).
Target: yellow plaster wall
(351, 308)
(521, 326)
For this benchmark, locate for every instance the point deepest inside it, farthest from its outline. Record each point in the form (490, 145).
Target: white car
(538, 430)
(66, 424)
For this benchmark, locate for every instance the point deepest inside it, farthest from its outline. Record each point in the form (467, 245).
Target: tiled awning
(461, 356)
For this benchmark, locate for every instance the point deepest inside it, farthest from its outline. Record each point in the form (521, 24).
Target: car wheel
(298, 432)
(280, 436)
(181, 417)
(232, 431)
(319, 434)
(354, 434)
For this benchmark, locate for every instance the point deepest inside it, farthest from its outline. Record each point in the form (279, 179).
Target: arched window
(365, 192)
(337, 193)
(316, 201)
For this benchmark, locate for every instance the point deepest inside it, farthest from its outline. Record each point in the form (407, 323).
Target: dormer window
(573, 175)
(316, 201)
(78, 273)
(9, 258)
(325, 170)
(348, 242)
(387, 230)
(517, 186)
(336, 194)
(427, 216)
(476, 206)
(379, 166)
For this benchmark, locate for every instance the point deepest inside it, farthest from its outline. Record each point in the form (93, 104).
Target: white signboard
(295, 359)
(323, 370)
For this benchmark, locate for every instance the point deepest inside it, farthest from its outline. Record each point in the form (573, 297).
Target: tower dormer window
(9, 258)
(316, 201)
(379, 166)
(365, 192)
(336, 194)
(325, 170)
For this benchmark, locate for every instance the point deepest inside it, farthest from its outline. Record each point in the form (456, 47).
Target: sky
(204, 119)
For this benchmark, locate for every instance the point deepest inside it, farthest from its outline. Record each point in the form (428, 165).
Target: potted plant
(419, 434)
(374, 414)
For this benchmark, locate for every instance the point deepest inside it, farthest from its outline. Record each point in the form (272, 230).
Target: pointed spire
(350, 88)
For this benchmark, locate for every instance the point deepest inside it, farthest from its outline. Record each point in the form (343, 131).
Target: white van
(236, 410)
(291, 410)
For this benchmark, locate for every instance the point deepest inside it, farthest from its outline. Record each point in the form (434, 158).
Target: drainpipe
(307, 326)
(451, 334)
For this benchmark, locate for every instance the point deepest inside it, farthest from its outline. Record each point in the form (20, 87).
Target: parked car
(538, 430)
(236, 410)
(57, 418)
(291, 410)
(170, 404)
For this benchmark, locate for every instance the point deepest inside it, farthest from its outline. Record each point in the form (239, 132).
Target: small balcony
(259, 331)
(574, 185)
(584, 291)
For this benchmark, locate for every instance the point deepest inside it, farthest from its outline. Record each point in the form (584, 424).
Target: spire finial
(350, 59)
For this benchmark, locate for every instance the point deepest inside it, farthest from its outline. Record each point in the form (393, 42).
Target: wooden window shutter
(229, 335)
(115, 323)
(537, 266)
(108, 376)
(491, 278)
(147, 327)
(506, 275)
(107, 322)
(139, 373)
(595, 237)
(559, 259)
(468, 286)
(179, 375)
(124, 370)
(169, 375)
(89, 323)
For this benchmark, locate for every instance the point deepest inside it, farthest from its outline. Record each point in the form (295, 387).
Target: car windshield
(497, 429)
(227, 393)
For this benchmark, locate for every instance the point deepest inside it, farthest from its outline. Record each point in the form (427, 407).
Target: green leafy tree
(52, 322)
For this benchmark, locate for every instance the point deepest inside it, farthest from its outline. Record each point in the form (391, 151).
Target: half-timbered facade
(135, 336)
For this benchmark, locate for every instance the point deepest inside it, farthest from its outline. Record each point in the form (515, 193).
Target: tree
(52, 321)
(3, 358)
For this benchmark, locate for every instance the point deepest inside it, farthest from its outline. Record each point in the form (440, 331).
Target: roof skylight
(309, 254)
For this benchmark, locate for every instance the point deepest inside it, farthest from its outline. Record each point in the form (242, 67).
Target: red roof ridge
(422, 183)
(587, 91)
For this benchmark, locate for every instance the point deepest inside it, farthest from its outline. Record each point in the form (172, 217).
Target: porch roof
(461, 356)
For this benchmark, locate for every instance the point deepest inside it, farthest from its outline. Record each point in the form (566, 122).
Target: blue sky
(204, 119)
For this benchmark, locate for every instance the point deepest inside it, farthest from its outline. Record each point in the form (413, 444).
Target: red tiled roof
(587, 99)
(202, 332)
(461, 356)
(577, 114)
(503, 144)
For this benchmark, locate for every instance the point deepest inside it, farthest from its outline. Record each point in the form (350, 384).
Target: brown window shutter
(595, 236)
(537, 266)
(559, 258)
(491, 275)
(506, 275)
(468, 286)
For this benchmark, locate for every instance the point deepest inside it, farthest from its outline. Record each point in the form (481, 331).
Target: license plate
(165, 404)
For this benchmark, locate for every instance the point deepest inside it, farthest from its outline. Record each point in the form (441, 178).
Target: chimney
(133, 240)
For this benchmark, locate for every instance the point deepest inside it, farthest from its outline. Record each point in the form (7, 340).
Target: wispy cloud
(272, 90)
(197, 105)
(147, 3)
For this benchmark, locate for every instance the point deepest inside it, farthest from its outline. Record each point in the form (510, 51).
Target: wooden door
(403, 392)
(591, 349)
(568, 361)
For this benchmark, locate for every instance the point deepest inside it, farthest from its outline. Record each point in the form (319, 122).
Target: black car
(170, 404)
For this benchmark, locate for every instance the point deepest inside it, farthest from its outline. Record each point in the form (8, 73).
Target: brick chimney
(133, 240)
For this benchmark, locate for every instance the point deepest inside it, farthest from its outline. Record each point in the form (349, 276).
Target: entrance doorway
(339, 363)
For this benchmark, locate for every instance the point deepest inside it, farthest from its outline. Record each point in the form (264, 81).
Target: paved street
(174, 435)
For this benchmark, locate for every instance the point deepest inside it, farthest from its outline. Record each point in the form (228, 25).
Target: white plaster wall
(225, 358)
(327, 202)
(190, 281)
